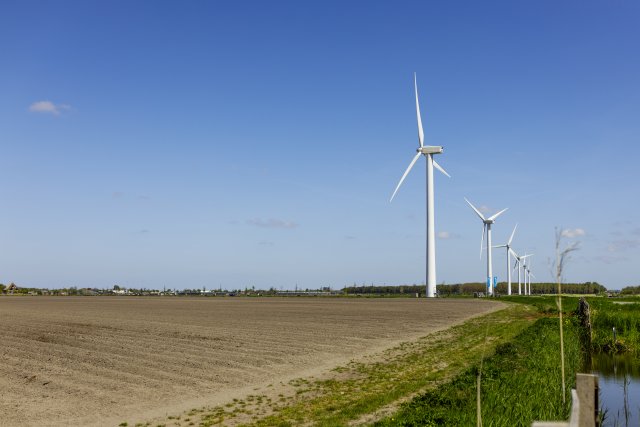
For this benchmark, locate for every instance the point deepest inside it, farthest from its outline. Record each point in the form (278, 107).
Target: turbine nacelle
(430, 149)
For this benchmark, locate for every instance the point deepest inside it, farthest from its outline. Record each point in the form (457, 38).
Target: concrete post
(584, 404)
(587, 387)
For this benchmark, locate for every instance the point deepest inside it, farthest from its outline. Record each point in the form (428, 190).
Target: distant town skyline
(252, 144)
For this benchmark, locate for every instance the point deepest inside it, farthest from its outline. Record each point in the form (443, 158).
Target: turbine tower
(427, 151)
(524, 274)
(530, 276)
(486, 226)
(509, 252)
(527, 274)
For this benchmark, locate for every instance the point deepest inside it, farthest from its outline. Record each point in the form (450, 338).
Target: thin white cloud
(484, 209)
(608, 259)
(622, 245)
(575, 232)
(48, 107)
(272, 223)
(446, 235)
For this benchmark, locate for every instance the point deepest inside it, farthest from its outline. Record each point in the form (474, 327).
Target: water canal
(619, 382)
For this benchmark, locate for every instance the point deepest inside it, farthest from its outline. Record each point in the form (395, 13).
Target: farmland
(103, 360)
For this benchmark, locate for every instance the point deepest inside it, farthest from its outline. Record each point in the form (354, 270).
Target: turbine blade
(491, 218)
(499, 246)
(420, 131)
(474, 208)
(512, 252)
(512, 233)
(413, 162)
(437, 166)
(484, 227)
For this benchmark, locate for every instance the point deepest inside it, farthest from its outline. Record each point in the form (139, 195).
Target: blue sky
(190, 144)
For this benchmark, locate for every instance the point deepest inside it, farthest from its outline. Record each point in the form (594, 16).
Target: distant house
(11, 288)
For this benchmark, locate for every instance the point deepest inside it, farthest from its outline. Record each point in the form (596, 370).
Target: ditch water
(619, 382)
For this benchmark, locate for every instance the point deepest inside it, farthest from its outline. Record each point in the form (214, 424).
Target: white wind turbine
(486, 226)
(528, 274)
(523, 264)
(518, 263)
(509, 252)
(428, 151)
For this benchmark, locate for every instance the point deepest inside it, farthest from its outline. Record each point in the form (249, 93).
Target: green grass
(361, 389)
(521, 383)
(546, 304)
(606, 314)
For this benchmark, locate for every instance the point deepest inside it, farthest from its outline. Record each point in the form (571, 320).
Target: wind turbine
(486, 226)
(523, 263)
(518, 263)
(427, 151)
(509, 251)
(527, 274)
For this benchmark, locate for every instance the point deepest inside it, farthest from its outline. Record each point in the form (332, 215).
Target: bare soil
(106, 360)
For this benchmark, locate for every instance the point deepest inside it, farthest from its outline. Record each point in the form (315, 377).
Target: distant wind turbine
(509, 252)
(527, 273)
(486, 227)
(518, 264)
(427, 151)
(523, 264)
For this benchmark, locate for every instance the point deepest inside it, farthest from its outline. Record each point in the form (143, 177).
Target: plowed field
(104, 360)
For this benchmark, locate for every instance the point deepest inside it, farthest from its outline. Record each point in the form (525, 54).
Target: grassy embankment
(361, 392)
(521, 383)
(521, 380)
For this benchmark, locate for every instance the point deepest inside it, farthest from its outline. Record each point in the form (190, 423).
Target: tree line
(630, 290)
(475, 287)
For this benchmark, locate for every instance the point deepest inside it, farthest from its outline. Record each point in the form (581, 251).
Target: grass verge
(364, 391)
(520, 384)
